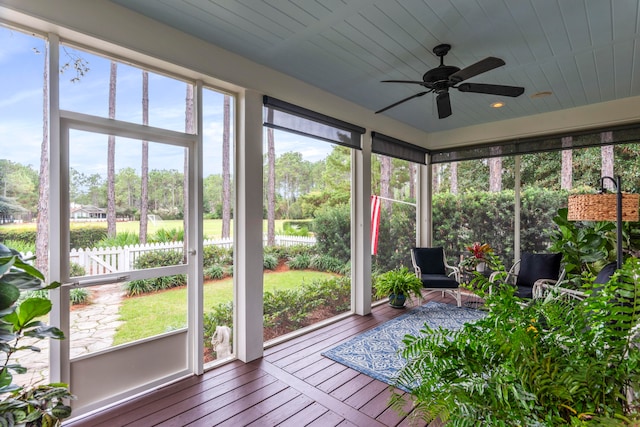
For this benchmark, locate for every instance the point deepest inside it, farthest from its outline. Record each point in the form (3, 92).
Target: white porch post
(424, 212)
(361, 228)
(248, 229)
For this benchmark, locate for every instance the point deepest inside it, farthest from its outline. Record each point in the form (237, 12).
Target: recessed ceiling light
(498, 104)
(541, 94)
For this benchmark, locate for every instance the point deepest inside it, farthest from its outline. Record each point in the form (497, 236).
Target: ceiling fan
(444, 77)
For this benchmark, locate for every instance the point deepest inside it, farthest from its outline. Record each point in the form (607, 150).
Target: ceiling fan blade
(402, 100)
(502, 90)
(444, 105)
(404, 81)
(479, 67)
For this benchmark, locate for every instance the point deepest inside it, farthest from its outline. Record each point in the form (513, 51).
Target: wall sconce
(606, 207)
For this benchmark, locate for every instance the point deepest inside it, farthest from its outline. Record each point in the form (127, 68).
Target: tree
(495, 170)
(111, 156)
(386, 169)
(226, 168)
(566, 174)
(42, 234)
(144, 170)
(607, 158)
(453, 180)
(271, 188)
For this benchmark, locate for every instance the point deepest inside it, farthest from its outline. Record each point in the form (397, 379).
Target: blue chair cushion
(438, 281)
(430, 260)
(538, 266)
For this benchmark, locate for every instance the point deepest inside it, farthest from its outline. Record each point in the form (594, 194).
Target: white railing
(122, 258)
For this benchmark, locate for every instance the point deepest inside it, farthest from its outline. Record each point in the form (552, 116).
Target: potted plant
(398, 284)
(480, 254)
(40, 405)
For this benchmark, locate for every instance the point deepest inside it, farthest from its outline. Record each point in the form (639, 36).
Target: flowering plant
(479, 253)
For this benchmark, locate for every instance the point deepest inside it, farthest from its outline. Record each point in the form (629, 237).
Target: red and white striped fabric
(375, 223)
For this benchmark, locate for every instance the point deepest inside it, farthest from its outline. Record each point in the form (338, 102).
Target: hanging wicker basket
(602, 207)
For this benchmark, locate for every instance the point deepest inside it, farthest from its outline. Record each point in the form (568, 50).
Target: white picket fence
(122, 258)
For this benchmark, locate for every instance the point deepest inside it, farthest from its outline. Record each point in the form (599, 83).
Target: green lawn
(212, 228)
(165, 311)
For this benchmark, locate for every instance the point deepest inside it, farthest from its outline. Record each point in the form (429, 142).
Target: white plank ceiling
(582, 51)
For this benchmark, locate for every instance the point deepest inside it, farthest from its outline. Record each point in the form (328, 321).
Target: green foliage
(479, 216)
(299, 262)
(332, 227)
(584, 245)
(270, 262)
(214, 272)
(151, 260)
(216, 255)
(400, 281)
(44, 404)
(76, 270)
(85, 236)
(297, 228)
(544, 362)
(124, 238)
(326, 263)
(396, 236)
(21, 246)
(288, 310)
(79, 296)
(167, 236)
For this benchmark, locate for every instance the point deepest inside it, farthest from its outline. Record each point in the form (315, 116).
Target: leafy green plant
(326, 263)
(124, 238)
(544, 362)
(214, 272)
(400, 281)
(299, 262)
(166, 236)
(584, 245)
(79, 296)
(270, 262)
(43, 405)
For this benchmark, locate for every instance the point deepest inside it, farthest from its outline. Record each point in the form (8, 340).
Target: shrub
(326, 263)
(79, 296)
(166, 236)
(299, 262)
(21, 246)
(213, 272)
(214, 255)
(332, 226)
(151, 260)
(270, 262)
(125, 238)
(76, 270)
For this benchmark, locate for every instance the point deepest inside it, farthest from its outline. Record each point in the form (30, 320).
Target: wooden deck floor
(292, 385)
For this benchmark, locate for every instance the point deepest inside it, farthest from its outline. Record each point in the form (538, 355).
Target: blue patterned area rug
(375, 352)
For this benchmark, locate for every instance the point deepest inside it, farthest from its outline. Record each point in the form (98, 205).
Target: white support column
(248, 294)
(361, 228)
(194, 238)
(516, 211)
(424, 211)
(58, 222)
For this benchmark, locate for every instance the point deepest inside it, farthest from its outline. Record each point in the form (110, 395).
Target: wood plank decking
(292, 385)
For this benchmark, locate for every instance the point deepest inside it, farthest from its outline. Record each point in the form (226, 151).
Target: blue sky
(22, 67)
